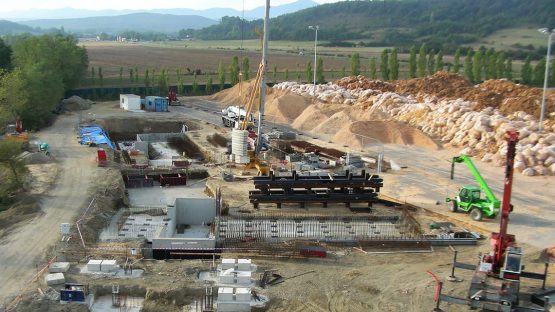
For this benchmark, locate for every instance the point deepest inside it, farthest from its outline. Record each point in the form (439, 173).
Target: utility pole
(549, 34)
(263, 78)
(315, 28)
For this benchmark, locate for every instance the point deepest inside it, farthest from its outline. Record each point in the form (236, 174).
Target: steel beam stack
(347, 189)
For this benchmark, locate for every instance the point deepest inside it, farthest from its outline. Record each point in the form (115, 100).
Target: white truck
(233, 116)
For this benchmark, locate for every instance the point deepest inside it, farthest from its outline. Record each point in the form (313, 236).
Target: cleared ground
(25, 248)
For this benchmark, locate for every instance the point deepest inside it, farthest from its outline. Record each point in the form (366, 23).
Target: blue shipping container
(156, 104)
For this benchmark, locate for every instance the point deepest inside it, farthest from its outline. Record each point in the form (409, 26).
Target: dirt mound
(355, 82)
(285, 106)
(361, 133)
(518, 97)
(76, 103)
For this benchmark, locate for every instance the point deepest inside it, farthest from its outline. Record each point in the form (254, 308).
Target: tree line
(35, 73)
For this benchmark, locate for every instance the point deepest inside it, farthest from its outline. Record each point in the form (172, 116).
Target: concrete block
(54, 279)
(59, 267)
(227, 279)
(108, 266)
(244, 264)
(225, 294)
(94, 265)
(243, 279)
(242, 294)
(228, 264)
(233, 307)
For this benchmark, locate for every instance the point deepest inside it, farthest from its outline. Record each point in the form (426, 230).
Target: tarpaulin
(94, 134)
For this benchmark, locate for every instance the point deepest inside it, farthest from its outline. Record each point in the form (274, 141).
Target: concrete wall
(157, 137)
(183, 243)
(195, 210)
(142, 146)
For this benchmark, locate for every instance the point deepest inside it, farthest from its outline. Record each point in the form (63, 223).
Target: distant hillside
(212, 13)
(11, 28)
(398, 22)
(141, 22)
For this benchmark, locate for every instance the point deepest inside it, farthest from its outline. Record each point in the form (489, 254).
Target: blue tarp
(94, 134)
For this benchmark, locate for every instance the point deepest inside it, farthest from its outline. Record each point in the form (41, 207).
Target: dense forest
(378, 23)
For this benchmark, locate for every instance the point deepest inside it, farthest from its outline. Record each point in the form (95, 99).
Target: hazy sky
(9, 5)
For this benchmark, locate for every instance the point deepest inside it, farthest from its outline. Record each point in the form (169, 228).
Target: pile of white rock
(477, 133)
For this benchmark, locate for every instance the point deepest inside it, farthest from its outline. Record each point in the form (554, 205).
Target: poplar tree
(355, 64)
(468, 74)
(221, 75)
(394, 65)
(373, 68)
(526, 72)
(234, 71)
(477, 66)
(422, 61)
(412, 62)
(500, 65)
(320, 79)
(539, 72)
(308, 72)
(509, 69)
(384, 64)
(439, 62)
(431, 63)
(246, 69)
(457, 61)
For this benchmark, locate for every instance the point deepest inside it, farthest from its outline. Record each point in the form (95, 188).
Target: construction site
(427, 194)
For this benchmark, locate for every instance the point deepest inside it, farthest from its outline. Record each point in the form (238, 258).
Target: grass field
(290, 55)
(506, 39)
(206, 56)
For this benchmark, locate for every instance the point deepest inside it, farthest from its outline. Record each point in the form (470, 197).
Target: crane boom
(483, 185)
(502, 239)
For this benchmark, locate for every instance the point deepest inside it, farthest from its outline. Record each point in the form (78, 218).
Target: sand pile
(284, 107)
(364, 133)
(235, 95)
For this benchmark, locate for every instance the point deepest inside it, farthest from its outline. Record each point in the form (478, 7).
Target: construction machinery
(495, 285)
(235, 116)
(15, 132)
(172, 96)
(258, 92)
(469, 198)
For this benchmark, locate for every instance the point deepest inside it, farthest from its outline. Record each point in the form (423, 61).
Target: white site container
(130, 101)
(244, 264)
(228, 264)
(242, 294)
(225, 294)
(94, 265)
(108, 266)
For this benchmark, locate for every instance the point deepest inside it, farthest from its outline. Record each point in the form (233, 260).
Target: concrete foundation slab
(59, 267)
(244, 264)
(54, 279)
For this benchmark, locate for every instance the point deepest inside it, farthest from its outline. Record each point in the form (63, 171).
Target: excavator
(469, 198)
(15, 132)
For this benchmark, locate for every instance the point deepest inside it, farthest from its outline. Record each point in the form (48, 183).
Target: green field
(506, 39)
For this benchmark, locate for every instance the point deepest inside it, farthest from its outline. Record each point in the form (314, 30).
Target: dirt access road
(25, 247)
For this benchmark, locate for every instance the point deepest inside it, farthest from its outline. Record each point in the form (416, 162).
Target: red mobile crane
(495, 285)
